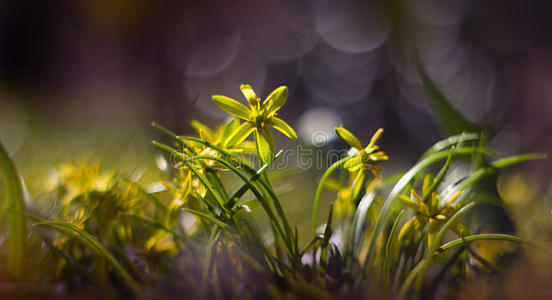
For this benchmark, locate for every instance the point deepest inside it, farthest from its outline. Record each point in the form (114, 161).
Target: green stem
(319, 189)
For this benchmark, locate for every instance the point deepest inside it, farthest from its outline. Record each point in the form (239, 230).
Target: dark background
(126, 62)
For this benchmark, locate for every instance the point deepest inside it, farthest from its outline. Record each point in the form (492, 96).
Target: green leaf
(13, 194)
(265, 144)
(359, 224)
(276, 99)
(349, 138)
(387, 254)
(450, 120)
(240, 134)
(509, 161)
(232, 106)
(283, 127)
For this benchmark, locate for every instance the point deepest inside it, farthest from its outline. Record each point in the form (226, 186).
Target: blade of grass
(13, 194)
(439, 176)
(326, 238)
(450, 141)
(158, 204)
(241, 191)
(215, 234)
(183, 236)
(359, 221)
(478, 237)
(494, 268)
(388, 248)
(492, 168)
(206, 217)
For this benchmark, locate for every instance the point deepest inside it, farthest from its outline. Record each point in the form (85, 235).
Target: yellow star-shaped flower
(257, 118)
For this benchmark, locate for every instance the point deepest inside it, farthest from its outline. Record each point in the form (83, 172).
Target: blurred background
(87, 77)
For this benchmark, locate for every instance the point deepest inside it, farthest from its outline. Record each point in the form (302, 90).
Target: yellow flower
(257, 118)
(363, 160)
(429, 211)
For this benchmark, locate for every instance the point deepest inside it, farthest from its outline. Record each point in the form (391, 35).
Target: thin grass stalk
(316, 202)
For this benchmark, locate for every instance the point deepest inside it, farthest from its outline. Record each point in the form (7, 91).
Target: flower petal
(228, 129)
(283, 127)
(276, 99)
(249, 94)
(349, 138)
(358, 184)
(239, 134)
(374, 139)
(203, 131)
(265, 144)
(232, 106)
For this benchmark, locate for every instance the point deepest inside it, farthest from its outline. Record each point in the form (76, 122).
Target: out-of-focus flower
(430, 211)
